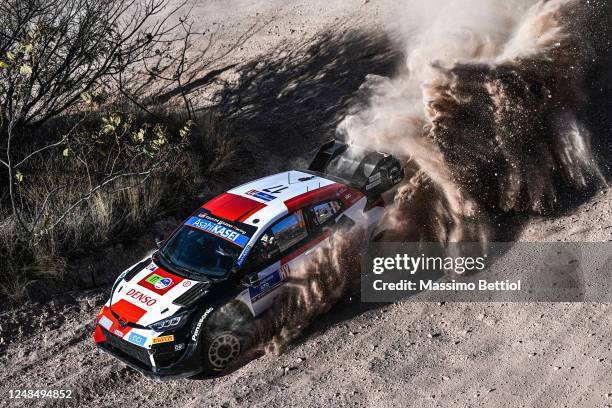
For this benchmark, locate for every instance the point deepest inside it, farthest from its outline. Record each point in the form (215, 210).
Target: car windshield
(201, 252)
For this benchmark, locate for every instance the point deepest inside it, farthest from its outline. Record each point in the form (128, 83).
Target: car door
(264, 268)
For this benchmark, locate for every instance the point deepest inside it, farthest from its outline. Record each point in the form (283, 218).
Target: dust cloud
(486, 113)
(487, 108)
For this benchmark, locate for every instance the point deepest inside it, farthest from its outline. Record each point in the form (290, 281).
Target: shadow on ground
(284, 104)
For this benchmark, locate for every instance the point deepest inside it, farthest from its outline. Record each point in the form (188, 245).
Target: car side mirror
(159, 242)
(250, 280)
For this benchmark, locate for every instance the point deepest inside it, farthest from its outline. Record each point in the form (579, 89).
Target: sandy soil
(395, 355)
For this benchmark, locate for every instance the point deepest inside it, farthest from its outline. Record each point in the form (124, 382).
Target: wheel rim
(223, 349)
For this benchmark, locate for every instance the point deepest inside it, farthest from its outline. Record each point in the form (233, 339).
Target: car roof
(265, 200)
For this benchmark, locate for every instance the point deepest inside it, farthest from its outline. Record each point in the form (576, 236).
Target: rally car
(189, 307)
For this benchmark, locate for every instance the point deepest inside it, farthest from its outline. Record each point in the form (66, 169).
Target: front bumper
(188, 364)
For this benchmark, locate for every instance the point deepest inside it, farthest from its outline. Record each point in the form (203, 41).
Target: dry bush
(87, 160)
(112, 214)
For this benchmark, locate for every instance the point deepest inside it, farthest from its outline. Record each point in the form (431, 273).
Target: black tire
(228, 333)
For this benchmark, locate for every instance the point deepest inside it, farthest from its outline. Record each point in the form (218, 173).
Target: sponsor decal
(163, 339)
(160, 281)
(375, 177)
(105, 322)
(373, 184)
(153, 278)
(285, 271)
(163, 283)
(243, 255)
(266, 284)
(118, 332)
(196, 332)
(261, 195)
(137, 339)
(122, 275)
(141, 297)
(152, 267)
(187, 284)
(219, 230)
(224, 223)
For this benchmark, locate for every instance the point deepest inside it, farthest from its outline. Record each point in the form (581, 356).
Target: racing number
(285, 271)
(275, 189)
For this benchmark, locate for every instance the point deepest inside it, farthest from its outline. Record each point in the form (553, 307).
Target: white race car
(164, 316)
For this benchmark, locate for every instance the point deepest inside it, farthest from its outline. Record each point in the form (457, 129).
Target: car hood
(149, 295)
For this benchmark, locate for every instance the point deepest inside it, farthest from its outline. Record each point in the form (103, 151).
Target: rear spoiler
(327, 152)
(370, 171)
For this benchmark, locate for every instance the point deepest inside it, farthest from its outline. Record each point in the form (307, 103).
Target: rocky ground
(394, 355)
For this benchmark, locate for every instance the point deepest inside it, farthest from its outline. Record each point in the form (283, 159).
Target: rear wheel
(227, 335)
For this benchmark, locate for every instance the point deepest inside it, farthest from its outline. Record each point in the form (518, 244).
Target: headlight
(169, 322)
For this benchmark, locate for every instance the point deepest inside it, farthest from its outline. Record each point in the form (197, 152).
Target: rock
(432, 335)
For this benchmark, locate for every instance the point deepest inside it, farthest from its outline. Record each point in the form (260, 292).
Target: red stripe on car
(233, 207)
(128, 311)
(115, 328)
(313, 196)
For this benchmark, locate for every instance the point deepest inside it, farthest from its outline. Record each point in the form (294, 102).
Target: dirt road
(405, 354)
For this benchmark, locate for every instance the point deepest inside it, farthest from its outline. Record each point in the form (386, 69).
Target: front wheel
(227, 335)
(222, 350)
